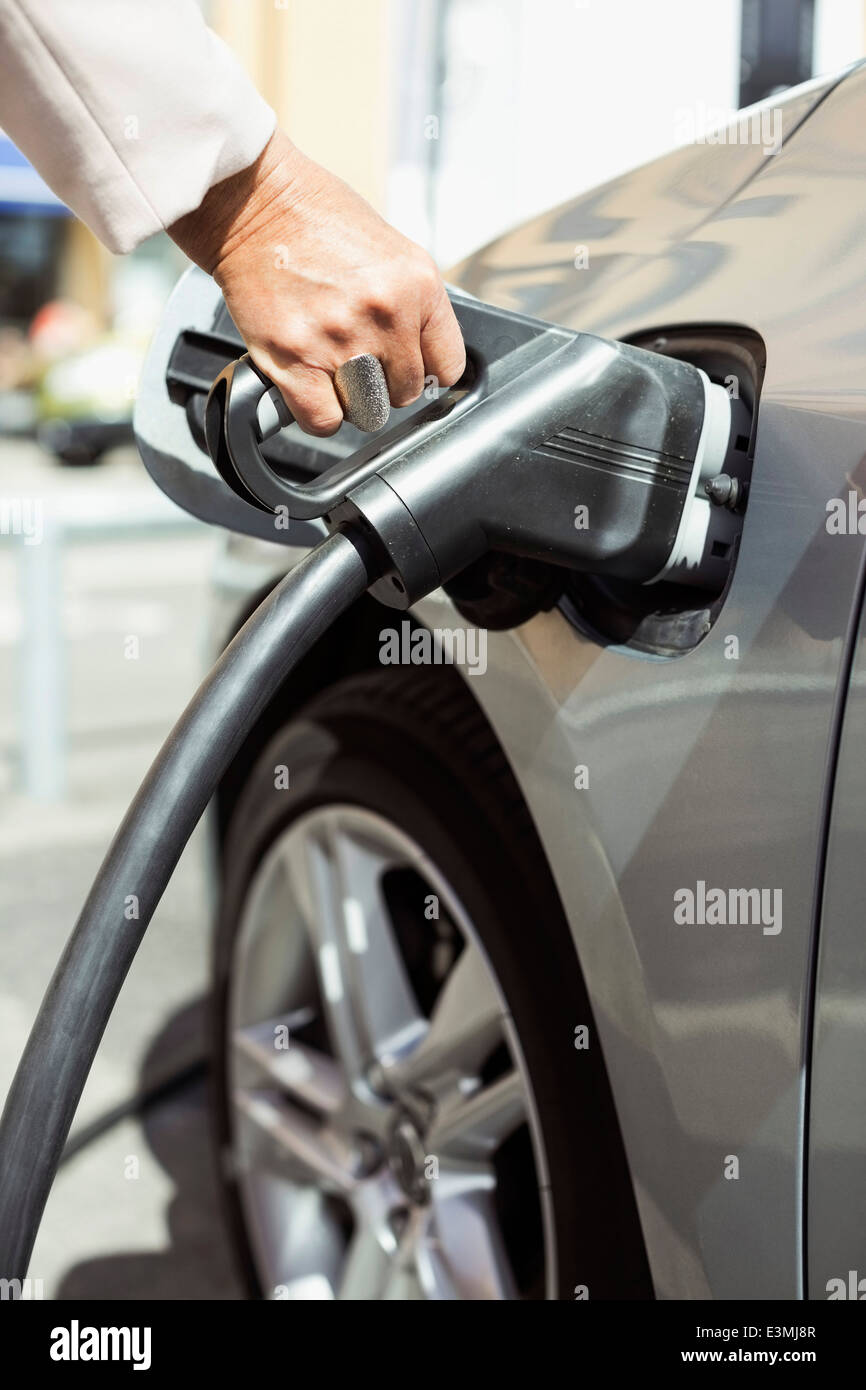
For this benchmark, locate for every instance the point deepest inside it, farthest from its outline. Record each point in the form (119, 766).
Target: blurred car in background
(72, 335)
(83, 402)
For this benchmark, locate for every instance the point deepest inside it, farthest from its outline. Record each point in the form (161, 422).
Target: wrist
(233, 208)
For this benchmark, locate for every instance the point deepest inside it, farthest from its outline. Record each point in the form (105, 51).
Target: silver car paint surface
(837, 1120)
(706, 767)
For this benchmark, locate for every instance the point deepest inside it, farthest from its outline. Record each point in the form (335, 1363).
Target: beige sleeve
(129, 109)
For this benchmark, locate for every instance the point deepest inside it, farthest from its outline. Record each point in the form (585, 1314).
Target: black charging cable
(170, 802)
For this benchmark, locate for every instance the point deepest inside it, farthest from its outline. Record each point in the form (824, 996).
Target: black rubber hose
(170, 802)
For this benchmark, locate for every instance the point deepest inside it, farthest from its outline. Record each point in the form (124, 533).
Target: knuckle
(380, 306)
(383, 294)
(427, 273)
(270, 349)
(295, 344)
(339, 325)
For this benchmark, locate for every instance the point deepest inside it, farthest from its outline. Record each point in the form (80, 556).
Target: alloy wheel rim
(369, 1122)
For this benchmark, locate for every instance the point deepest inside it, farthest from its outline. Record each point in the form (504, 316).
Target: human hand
(312, 275)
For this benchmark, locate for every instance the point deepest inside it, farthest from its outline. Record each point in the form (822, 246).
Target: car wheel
(401, 1112)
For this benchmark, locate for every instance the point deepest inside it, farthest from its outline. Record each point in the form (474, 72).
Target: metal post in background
(776, 46)
(42, 683)
(42, 655)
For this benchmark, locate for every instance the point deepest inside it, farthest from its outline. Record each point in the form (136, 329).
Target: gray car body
(713, 767)
(737, 1056)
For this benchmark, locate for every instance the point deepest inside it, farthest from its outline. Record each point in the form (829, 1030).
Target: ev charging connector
(556, 445)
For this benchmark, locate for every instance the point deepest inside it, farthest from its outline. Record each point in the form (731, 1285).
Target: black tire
(414, 747)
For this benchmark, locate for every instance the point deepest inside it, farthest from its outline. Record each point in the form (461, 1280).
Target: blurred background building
(457, 119)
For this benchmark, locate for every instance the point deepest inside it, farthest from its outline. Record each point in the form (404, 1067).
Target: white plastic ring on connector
(688, 553)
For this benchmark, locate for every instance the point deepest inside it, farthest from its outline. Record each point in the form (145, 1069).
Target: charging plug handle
(556, 445)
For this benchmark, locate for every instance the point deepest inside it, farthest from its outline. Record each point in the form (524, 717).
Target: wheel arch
(351, 647)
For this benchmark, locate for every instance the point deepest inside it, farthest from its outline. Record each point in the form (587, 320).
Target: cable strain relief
(359, 534)
(390, 541)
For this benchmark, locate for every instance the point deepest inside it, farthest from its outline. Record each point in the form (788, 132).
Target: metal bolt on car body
(724, 491)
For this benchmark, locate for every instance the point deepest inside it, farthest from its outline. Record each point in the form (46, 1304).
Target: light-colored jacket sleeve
(129, 109)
